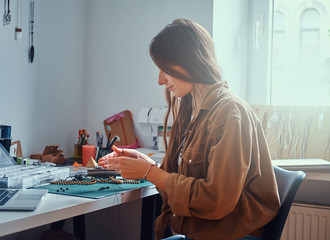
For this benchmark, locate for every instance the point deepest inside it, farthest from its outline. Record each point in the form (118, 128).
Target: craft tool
(7, 16)
(112, 142)
(101, 173)
(18, 29)
(99, 139)
(99, 142)
(31, 52)
(108, 141)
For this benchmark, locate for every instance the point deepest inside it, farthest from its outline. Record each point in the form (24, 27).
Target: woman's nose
(161, 78)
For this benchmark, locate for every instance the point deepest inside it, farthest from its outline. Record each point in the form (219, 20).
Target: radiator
(307, 222)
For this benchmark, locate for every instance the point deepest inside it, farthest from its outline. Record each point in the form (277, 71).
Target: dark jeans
(177, 237)
(182, 237)
(250, 238)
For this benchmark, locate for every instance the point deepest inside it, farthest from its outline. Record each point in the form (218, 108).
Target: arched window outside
(309, 38)
(278, 39)
(298, 63)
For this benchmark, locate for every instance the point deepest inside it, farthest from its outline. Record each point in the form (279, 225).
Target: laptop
(21, 199)
(17, 199)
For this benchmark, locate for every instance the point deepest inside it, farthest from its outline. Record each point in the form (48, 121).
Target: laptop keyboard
(5, 195)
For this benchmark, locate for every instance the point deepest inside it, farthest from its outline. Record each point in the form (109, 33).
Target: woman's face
(178, 87)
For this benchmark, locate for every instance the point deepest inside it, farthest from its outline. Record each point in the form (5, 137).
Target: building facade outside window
(301, 53)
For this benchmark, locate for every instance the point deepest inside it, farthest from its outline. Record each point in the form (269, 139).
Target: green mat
(93, 191)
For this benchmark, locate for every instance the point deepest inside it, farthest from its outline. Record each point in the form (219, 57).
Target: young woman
(217, 179)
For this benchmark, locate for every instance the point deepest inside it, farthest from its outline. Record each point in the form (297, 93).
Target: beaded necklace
(94, 181)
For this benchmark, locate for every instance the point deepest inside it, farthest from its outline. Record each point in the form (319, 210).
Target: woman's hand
(128, 167)
(129, 163)
(127, 153)
(119, 152)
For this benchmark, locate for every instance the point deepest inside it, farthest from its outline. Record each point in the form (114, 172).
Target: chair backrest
(288, 183)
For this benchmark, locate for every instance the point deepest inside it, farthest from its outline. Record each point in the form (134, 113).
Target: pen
(112, 142)
(107, 147)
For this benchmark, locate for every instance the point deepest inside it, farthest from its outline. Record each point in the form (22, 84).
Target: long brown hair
(188, 45)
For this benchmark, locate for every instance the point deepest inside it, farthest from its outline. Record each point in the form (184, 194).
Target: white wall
(230, 34)
(91, 61)
(43, 101)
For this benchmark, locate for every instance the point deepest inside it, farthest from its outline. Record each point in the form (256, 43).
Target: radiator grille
(307, 222)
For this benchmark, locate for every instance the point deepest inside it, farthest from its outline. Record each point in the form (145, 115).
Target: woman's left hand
(127, 167)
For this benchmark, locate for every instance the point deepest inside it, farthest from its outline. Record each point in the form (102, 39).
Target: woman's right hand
(117, 152)
(132, 164)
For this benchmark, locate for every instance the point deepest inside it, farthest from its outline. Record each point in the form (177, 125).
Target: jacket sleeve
(229, 147)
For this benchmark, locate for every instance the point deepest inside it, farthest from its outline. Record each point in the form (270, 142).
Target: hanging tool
(18, 29)
(7, 16)
(31, 52)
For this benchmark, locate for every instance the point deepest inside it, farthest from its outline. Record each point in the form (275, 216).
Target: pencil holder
(88, 152)
(102, 152)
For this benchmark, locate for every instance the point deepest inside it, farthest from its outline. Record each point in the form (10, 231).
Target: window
(309, 38)
(300, 72)
(279, 38)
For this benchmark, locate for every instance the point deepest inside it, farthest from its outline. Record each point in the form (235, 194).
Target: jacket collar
(212, 93)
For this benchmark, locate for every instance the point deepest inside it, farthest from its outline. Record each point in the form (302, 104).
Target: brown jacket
(225, 187)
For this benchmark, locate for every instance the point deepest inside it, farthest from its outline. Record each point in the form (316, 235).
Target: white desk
(55, 207)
